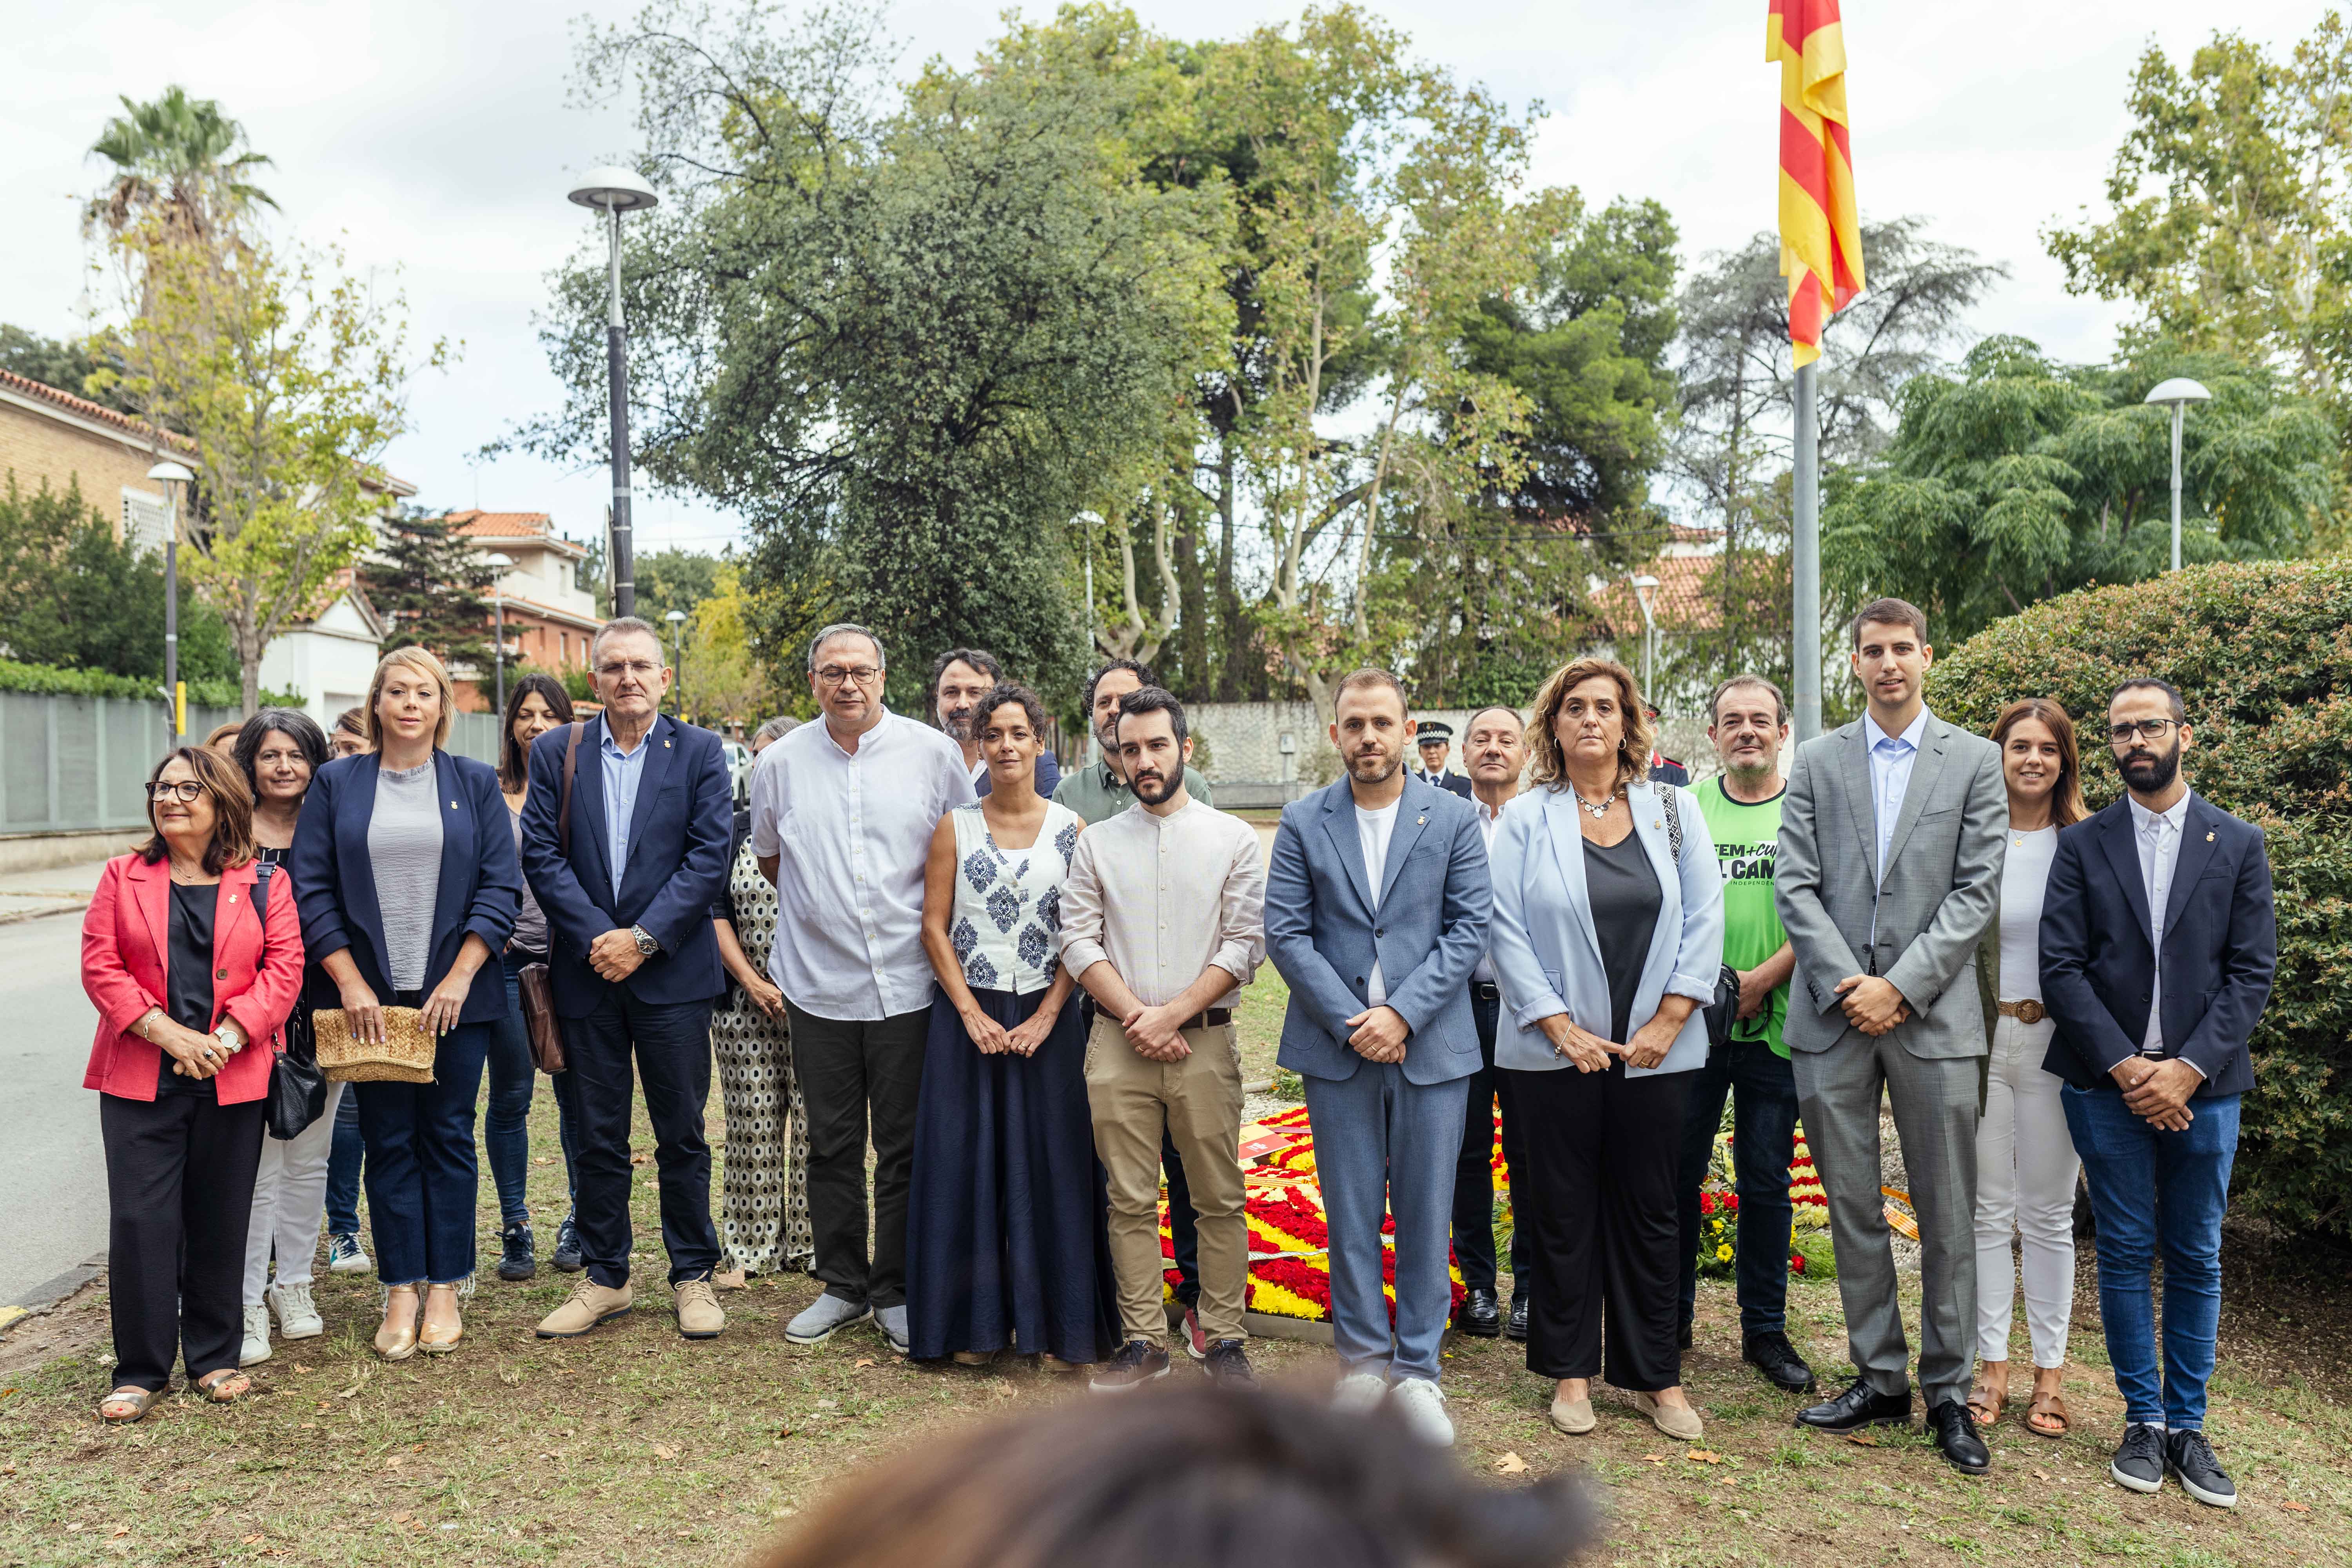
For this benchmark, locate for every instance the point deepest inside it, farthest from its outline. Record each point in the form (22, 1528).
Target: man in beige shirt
(1163, 922)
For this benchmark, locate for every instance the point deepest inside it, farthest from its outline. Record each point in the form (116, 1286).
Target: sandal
(214, 1385)
(128, 1404)
(1986, 1404)
(2048, 1405)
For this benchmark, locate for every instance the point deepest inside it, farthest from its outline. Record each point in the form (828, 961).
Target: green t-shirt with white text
(1746, 842)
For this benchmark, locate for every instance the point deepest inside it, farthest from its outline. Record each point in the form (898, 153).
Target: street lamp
(613, 191)
(173, 475)
(1642, 586)
(677, 619)
(499, 563)
(2177, 393)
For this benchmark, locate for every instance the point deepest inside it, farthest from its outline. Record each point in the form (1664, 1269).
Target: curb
(38, 1300)
(40, 911)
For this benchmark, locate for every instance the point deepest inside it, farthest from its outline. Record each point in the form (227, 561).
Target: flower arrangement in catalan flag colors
(1809, 1254)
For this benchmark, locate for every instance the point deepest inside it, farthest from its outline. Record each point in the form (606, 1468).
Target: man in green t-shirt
(1749, 723)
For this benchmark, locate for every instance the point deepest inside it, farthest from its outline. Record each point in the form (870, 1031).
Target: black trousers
(669, 1046)
(179, 1190)
(857, 1073)
(1474, 1172)
(1602, 1152)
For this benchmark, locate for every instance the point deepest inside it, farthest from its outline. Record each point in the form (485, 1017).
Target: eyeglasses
(639, 668)
(833, 675)
(2154, 729)
(184, 792)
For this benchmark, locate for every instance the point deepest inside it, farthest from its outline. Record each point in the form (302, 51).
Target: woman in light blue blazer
(1606, 944)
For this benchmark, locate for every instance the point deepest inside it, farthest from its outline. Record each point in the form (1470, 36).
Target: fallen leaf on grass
(2042, 1474)
(782, 1433)
(1510, 1464)
(73, 1529)
(549, 1458)
(664, 1451)
(301, 1371)
(417, 1447)
(253, 1541)
(1704, 1457)
(641, 1159)
(402, 1518)
(395, 1462)
(1655, 1458)
(2296, 1506)
(120, 1531)
(828, 1404)
(1862, 1439)
(354, 1389)
(863, 1361)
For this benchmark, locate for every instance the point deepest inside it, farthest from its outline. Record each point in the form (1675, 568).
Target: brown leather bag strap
(563, 812)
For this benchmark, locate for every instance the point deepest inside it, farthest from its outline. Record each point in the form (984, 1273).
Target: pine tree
(427, 582)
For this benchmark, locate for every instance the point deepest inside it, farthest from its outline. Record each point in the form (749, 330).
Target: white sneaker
(298, 1318)
(1359, 1393)
(1424, 1409)
(345, 1254)
(256, 1337)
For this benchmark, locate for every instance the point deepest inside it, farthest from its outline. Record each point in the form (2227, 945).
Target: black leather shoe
(2138, 1464)
(1859, 1406)
(1777, 1360)
(567, 1247)
(1954, 1431)
(2188, 1457)
(521, 1259)
(1228, 1366)
(1481, 1315)
(1514, 1327)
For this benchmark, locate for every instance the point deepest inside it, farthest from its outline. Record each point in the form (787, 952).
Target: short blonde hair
(415, 658)
(1543, 742)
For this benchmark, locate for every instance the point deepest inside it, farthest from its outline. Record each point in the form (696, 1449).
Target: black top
(263, 855)
(188, 985)
(1623, 888)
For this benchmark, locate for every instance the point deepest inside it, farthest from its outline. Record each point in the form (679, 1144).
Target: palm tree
(179, 161)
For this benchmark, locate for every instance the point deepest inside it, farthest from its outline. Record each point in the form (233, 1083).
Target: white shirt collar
(2177, 813)
(865, 740)
(1486, 814)
(1912, 733)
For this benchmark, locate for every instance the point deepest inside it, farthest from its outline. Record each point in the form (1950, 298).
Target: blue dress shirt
(622, 771)
(1891, 757)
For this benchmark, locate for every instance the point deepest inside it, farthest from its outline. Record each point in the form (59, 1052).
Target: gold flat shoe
(400, 1343)
(434, 1342)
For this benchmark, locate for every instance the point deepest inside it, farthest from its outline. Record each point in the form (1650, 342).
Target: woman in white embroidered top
(1005, 1245)
(2025, 1156)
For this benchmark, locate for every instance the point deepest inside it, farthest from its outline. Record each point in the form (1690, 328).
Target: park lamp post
(677, 619)
(613, 191)
(172, 476)
(500, 564)
(2177, 393)
(1644, 586)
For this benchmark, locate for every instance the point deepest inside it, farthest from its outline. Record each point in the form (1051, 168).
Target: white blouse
(2024, 878)
(1007, 925)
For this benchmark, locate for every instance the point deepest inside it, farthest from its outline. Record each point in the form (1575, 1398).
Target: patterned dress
(763, 1213)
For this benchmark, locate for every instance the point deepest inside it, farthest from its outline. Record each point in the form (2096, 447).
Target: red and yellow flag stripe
(1820, 226)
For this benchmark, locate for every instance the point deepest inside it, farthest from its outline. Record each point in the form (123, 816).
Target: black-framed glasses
(185, 790)
(833, 675)
(2154, 729)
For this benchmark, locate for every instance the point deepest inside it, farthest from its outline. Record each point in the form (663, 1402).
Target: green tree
(674, 579)
(80, 598)
(431, 585)
(2018, 479)
(64, 365)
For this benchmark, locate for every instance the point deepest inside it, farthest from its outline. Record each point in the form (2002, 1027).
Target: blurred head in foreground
(1189, 1478)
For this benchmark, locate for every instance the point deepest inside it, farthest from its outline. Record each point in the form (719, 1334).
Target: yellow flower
(1723, 1253)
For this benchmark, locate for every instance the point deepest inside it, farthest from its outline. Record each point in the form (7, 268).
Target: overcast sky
(434, 135)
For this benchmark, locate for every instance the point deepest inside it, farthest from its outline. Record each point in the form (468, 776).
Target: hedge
(52, 680)
(2263, 654)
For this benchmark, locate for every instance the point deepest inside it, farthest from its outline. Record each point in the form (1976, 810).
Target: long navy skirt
(1006, 1248)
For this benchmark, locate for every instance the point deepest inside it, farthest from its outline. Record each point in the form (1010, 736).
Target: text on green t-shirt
(1746, 842)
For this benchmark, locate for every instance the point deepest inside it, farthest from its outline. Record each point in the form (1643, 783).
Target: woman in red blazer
(191, 992)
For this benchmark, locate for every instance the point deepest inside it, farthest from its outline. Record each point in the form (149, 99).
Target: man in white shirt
(1163, 922)
(1496, 747)
(842, 816)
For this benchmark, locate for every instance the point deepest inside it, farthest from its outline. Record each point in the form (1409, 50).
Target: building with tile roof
(549, 618)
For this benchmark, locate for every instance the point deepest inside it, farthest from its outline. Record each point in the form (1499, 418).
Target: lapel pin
(2209, 839)
(665, 745)
(453, 805)
(1419, 821)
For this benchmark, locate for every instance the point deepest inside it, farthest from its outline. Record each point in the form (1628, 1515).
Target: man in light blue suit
(1376, 905)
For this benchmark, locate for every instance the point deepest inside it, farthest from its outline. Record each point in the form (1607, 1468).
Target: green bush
(52, 680)
(2263, 654)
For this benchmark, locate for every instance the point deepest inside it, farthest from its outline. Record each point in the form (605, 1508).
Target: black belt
(1214, 1018)
(1486, 991)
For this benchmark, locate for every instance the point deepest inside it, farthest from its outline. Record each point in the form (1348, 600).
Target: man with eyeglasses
(2158, 943)
(625, 833)
(842, 817)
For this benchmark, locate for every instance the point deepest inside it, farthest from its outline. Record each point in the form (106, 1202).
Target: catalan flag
(1821, 229)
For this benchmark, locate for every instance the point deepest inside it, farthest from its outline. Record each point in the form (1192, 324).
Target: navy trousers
(422, 1176)
(668, 1046)
(1473, 1170)
(1763, 1091)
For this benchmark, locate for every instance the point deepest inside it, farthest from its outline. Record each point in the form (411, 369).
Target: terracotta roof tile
(1680, 602)
(474, 522)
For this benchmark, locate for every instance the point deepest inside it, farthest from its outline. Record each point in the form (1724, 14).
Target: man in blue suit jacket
(2159, 943)
(633, 959)
(1376, 905)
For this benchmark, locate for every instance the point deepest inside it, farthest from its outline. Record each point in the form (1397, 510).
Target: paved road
(52, 1171)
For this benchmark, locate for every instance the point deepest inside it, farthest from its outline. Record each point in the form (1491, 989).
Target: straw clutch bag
(405, 1056)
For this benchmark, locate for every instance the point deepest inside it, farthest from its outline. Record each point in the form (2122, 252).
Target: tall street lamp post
(677, 619)
(499, 563)
(1644, 586)
(172, 476)
(613, 191)
(2177, 393)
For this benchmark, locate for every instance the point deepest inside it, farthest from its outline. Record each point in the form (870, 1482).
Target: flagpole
(1805, 562)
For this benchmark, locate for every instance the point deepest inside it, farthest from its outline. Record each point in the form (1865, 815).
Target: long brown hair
(514, 762)
(232, 842)
(1543, 743)
(2066, 808)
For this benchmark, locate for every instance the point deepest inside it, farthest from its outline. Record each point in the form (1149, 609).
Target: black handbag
(298, 1088)
(1723, 1009)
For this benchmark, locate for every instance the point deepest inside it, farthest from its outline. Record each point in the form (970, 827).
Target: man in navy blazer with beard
(2158, 943)
(633, 961)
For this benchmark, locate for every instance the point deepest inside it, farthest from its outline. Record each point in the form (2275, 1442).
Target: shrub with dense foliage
(2263, 654)
(54, 680)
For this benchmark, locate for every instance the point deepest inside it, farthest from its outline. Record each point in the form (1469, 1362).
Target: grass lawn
(633, 1446)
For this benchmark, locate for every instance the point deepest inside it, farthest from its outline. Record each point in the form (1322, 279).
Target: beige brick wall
(39, 449)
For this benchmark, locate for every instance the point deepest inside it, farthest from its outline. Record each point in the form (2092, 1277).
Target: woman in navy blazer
(404, 870)
(1606, 944)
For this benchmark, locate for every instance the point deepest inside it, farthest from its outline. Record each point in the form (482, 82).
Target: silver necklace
(1600, 813)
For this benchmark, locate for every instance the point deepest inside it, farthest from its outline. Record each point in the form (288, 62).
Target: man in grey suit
(1375, 902)
(1891, 845)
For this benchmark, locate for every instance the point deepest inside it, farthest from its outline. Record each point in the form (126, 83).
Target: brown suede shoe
(588, 1305)
(696, 1306)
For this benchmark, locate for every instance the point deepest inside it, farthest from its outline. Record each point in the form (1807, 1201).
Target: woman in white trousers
(279, 749)
(2025, 1157)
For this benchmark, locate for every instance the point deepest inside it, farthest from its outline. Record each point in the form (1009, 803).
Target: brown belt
(1214, 1018)
(2026, 1012)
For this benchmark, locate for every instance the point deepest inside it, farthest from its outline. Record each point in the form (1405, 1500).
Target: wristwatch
(646, 946)
(229, 1043)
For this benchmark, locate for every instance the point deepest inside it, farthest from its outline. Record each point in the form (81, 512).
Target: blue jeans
(343, 1169)
(2155, 1191)
(421, 1180)
(1763, 1089)
(506, 1126)
(1385, 1145)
